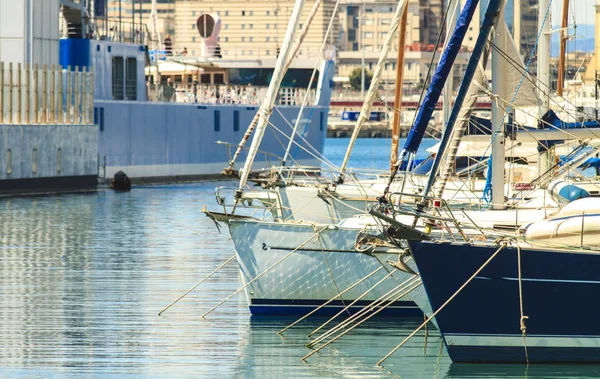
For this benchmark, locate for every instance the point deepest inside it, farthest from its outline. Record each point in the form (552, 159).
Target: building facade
(252, 29)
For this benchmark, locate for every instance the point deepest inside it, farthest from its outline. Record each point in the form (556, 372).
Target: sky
(583, 10)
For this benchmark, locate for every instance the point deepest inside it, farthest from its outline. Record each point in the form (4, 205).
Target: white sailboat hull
(311, 273)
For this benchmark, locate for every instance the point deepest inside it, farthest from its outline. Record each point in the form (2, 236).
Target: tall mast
(499, 90)
(267, 106)
(373, 88)
(490, 20)
(398, 92)
(543, 63)
(545, 156)
(563, 48)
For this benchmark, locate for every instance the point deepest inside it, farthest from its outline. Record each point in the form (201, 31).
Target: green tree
(355, 79)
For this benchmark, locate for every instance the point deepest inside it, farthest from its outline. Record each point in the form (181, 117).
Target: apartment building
(251, 29)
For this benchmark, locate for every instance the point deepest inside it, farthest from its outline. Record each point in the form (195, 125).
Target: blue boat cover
(439, 78)
(491, 15)
(550, 118)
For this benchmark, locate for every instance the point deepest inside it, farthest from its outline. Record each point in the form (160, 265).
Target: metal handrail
(221, 198)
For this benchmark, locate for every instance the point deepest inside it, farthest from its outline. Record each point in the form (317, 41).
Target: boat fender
(572, 193)
(121, 182)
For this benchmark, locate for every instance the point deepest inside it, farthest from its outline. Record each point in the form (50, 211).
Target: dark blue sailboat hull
(482, 323)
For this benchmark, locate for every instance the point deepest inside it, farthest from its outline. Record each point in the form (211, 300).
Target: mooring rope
(503, 243)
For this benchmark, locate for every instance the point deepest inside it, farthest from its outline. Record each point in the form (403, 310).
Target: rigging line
(337, 288)
(432, 61)
(538, 84)
(322, 157)
(331, 166)
(550, 126)
(494, 135)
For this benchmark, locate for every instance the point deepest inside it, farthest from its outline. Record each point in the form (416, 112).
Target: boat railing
(269, 158)
(268, 202)
(435, 211)
(224, 94)
(104, 29)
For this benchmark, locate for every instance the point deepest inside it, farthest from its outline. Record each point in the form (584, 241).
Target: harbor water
(83, 277)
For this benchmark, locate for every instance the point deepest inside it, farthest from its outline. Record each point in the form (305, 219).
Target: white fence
(33, 95)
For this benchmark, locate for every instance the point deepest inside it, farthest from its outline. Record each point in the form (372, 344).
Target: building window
(226, 39)
(268, 26)
(193, 13)
(267, 39)
(193, 39)
(131, 87)
(34, 159)
(268, 13)
(268, 52)
(274, 26)
(193, 26)
(251, 52)
(355, 46)
(243, 26)
(300, 26)
(118, 78)
(369, 21)
(226, 26)
(243, 39)
(368, 35)
(384, 21)
(8, 161)
(251, 26)
(251, 13)
(351, 35)
(226, 13)
(250, 39)
(59, 160)
(243, 13)
(369, 10)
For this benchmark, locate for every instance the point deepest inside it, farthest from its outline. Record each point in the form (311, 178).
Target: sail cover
(528, 94)
(439, 78)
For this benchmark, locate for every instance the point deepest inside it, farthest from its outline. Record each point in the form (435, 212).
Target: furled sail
(439, 78)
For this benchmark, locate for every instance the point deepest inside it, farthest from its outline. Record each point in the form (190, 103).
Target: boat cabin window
(261, 77)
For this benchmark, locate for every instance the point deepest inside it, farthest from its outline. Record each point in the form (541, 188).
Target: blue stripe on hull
(504, 354)
(264, 307)
(481, 324)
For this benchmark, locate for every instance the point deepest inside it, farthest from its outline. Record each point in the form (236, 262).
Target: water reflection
(82, 278)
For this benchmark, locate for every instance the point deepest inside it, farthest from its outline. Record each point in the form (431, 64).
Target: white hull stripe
(516, 340)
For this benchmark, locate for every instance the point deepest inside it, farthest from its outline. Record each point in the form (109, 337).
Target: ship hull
(316, 272)
(171, 142)
(482, 323)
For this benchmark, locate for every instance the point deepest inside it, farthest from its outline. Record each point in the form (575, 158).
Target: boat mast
(545, 156)
(499, 90)
(490, 20)
(543, 63)
(229, 170)
(563, 48)
(398, 92)
(267, 106)
(374, 87)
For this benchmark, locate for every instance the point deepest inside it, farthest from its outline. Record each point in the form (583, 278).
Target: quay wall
(48, 158)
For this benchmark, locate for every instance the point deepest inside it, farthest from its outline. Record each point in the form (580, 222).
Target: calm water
(82, 278)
